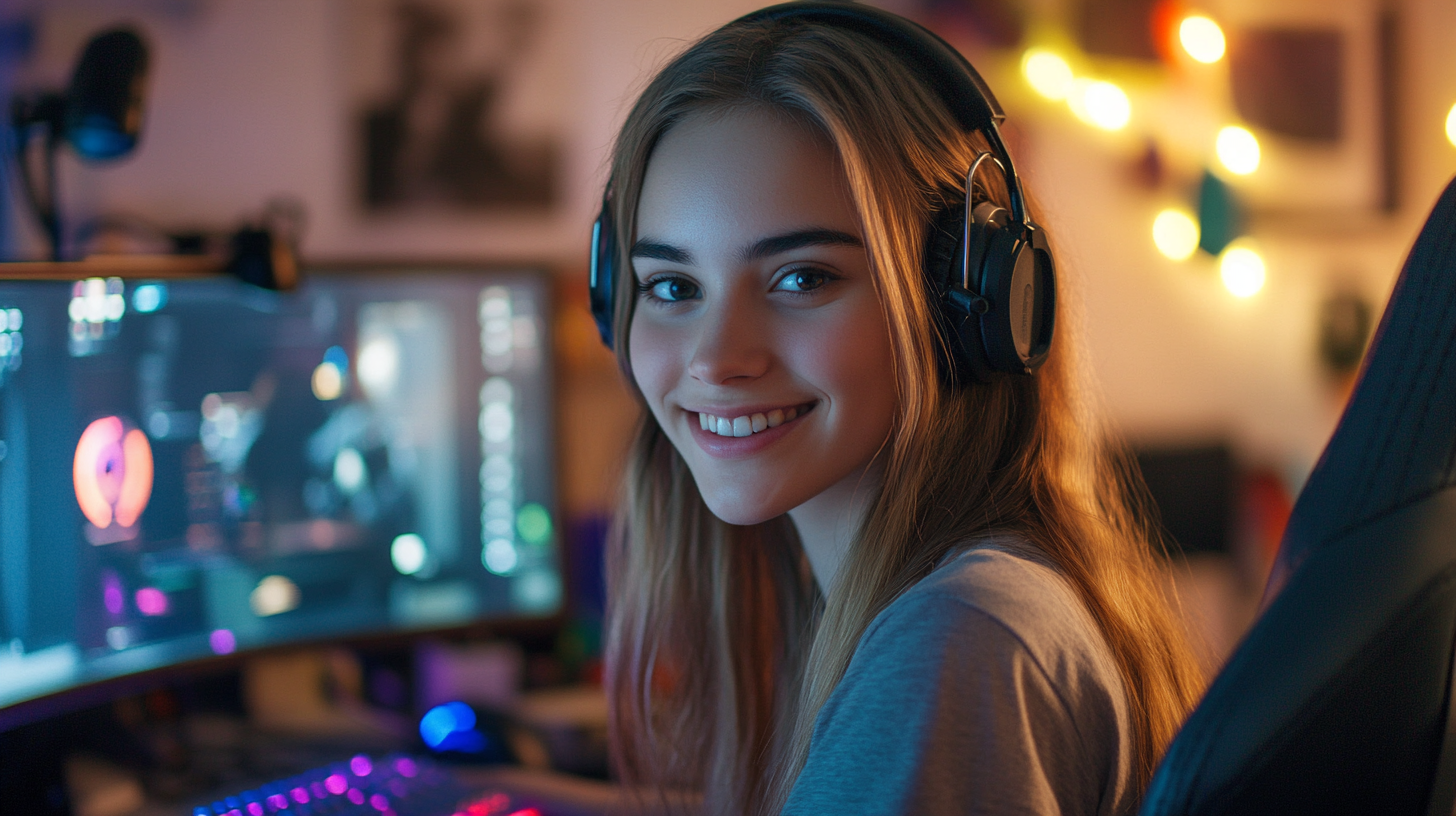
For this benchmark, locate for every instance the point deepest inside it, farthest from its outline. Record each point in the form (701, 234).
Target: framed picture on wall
(455, 106)
(1314, 79)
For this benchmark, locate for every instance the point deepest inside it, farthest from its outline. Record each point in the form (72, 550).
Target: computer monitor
(193, 468)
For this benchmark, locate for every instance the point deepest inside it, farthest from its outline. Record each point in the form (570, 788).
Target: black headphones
(990, 268)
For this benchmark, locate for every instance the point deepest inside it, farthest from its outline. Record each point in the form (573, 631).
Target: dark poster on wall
(448, 111)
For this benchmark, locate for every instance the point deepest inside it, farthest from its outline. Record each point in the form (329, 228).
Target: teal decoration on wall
(1220, 218)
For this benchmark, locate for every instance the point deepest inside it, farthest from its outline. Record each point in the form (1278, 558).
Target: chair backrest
(1337, 699)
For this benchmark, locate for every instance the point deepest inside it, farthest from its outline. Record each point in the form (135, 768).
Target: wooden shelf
(115, 266)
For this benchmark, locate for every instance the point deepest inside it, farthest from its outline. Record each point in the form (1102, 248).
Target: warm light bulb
(1047, 73)
(1238, 150)
(1242, 270)
(1202, 38)
(1100, 104)
(1175, 233)
(1451, 125)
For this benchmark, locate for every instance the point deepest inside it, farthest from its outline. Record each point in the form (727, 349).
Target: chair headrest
(1396, 442)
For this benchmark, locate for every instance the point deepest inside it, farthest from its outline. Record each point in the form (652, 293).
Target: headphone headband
(927, 55)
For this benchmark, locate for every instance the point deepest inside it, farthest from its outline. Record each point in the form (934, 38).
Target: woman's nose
(731, 344)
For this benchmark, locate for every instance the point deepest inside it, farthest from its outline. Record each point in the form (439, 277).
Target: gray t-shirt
(986, 688)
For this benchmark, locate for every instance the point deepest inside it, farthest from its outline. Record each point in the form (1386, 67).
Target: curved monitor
(195, 468)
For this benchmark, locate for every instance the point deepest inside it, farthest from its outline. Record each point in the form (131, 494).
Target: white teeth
(746, 425)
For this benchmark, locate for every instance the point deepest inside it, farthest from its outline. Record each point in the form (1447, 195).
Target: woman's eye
(803, 280)
(669, 290)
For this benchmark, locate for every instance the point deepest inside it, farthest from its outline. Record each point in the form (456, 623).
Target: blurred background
(1231, 186)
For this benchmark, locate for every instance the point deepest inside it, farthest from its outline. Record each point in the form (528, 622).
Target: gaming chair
(1337, 701)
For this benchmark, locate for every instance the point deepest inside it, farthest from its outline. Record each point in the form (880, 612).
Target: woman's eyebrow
(798, 240)
(660, 252)
(763, 248)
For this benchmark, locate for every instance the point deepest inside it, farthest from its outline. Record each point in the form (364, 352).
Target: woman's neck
(827, 523)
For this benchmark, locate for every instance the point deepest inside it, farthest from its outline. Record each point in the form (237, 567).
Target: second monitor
(196, 467)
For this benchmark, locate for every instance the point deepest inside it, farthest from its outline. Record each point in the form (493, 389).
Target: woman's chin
(743, 511)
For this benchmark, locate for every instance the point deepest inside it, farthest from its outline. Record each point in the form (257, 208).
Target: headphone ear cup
(943, 271)
(603, 271)
(943, 254)
(987, 221)
(1018, 281)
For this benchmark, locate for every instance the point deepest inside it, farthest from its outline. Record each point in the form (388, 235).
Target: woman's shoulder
(998, 602)
(1006, 582)
(984, 688)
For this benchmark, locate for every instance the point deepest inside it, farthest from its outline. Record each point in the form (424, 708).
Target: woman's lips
(761, 432)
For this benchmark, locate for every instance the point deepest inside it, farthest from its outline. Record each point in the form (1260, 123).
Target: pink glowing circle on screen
(112, 473)
(300, 795)
(255, 809)
(222, 641)
(151, 601)
(360, 765)
(379, 802)
(336, 784)
(356, 796)
(406, 767)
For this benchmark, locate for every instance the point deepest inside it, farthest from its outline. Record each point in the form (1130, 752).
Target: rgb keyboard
(395, 785)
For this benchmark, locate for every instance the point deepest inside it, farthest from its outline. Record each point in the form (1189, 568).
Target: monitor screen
(192, 468)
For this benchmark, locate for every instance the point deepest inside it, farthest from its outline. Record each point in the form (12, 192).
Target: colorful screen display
(190, 468)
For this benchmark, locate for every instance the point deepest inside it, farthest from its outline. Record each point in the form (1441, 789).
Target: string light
(1100, 104)
(1202, 39)
(1238, 150)
(1175, 234)
(1047, 73)
(1242, 270)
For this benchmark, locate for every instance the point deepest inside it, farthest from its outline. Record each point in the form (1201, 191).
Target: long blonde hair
(720, 650)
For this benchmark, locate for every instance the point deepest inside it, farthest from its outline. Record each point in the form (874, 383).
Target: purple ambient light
(222, 641)
(111, 593)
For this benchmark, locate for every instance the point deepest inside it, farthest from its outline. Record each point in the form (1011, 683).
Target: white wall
(248, 103)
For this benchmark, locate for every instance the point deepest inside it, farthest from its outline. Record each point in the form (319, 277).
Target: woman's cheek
(653, 362)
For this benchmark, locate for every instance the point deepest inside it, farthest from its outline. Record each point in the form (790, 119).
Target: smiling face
(758, 339)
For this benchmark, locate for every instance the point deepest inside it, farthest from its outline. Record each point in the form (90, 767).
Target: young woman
(848, 576)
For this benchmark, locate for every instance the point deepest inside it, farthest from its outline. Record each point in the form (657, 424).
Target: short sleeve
(944, 710)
